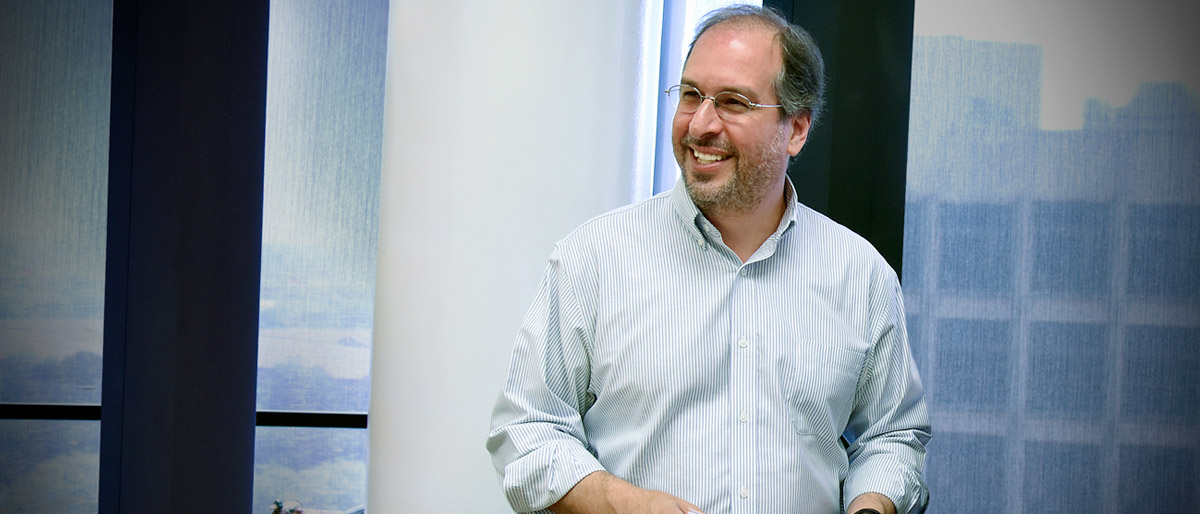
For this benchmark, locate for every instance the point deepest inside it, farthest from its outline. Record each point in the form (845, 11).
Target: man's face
(731, 165)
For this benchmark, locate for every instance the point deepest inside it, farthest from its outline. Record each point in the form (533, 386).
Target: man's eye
(690, 96)
(735, 104)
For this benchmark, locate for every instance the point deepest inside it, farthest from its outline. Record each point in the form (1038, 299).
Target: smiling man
(720, 348)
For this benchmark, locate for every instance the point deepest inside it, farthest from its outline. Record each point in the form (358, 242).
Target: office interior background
(1031, 168)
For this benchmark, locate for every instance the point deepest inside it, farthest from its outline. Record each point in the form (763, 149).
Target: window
(49, 465)
(1157, 478)
(321, 468)
(1160, 382)
(985, 455)
(325, 75)
(1065, 249)
(1164, 247)
(978, 243)
(1071, 483)
(973, 364)
(1068, 369)
(56, 57)
(1072, 248)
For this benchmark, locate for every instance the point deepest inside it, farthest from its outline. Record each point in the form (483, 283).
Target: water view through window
(55, 60)
(325, 74)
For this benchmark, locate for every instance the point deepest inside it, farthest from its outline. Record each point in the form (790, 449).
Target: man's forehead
(736, 55)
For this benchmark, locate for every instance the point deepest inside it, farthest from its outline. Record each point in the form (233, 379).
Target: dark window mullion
(311, 419)
(44, 411)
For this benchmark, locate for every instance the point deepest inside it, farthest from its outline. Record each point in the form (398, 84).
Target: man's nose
(705, 120)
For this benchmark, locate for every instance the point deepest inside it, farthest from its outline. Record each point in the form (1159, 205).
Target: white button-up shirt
(651, 351)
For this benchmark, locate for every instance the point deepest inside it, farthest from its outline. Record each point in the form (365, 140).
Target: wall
(505, 126)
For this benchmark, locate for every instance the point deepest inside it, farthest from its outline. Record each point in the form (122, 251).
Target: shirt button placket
(743, 429)
(743, 317)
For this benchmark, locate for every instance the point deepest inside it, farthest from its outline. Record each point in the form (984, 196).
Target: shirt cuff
(543, 476)
(900, 484)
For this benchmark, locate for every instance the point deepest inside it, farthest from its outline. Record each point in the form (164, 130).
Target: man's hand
(603, 493)
(876, 501)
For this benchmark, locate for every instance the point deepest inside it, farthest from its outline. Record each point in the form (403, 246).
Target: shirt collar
(691, 216)
(790, 210)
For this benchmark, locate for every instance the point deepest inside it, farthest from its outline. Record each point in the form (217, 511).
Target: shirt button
(744, 493)
(742, 343)
(743, 272)
(743, 417)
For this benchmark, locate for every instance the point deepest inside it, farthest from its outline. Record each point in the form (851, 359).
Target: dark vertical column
(854, 166)
(185, 220)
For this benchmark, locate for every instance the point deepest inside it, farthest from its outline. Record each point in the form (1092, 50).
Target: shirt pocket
(819, 387)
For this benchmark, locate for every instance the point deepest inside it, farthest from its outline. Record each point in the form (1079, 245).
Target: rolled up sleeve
(890, 421)
(537, 440)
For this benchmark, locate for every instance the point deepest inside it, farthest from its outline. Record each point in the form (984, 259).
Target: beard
(752, 179)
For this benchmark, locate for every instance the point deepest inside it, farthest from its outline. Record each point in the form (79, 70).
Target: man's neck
(744, 231)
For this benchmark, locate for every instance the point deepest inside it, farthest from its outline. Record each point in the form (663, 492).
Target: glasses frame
(716, 105)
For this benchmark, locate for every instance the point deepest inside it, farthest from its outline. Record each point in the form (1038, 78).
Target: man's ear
(800, 125)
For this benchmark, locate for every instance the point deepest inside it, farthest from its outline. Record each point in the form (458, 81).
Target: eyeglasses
(729, 104)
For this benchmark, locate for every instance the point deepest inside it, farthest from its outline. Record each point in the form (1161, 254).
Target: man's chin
(705, 191)
(699, 178)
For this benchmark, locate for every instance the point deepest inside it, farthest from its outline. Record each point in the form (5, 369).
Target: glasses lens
(687, 98)
(732, 103)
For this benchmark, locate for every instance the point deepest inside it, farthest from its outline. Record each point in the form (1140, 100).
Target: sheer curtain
(55, 73)
(1052, 254)
(324, 137)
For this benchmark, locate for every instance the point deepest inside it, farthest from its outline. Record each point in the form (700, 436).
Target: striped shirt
(651, 351)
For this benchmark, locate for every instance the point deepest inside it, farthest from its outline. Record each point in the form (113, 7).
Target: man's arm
(603, 493)
(890, 421)
(537, 441)
(875, 501)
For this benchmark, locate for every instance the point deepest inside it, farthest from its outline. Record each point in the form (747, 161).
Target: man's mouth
(704, 158)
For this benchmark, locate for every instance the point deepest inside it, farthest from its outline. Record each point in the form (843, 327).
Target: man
(707, 349)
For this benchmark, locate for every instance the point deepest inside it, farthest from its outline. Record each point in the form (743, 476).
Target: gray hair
(800, 85)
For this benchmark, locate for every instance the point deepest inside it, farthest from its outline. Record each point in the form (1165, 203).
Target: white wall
(506, 125)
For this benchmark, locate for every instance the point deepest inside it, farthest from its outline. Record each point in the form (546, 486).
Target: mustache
(711, 142)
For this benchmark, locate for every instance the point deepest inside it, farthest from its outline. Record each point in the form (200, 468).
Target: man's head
(800, 84)
(732, 161)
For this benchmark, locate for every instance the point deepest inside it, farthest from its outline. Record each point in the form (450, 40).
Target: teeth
(706, 158)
